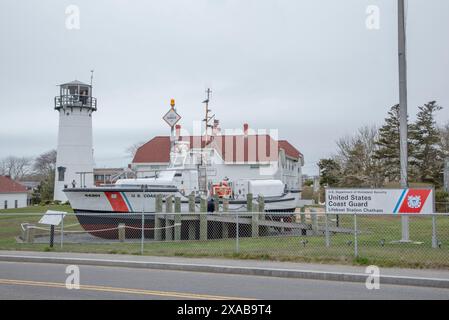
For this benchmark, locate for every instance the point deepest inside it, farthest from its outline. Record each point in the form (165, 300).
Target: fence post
(314, 221)
(203, 219)
(302, 215)
(62, 230)
(434, 232)
(225, 225)
(302, 218)
(249, 202)
(29, 233)
(254, 216)
(121, 232)
(177, 218)
(256, 208)
(237, 233)
(142, 235)
(168, 210)
(157, 219)
(216, 203)
(261, 202)
(356, 249)
(191, 224)
(327, 230)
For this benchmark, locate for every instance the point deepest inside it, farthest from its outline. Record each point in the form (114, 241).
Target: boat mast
(206, 120)
(403, 123)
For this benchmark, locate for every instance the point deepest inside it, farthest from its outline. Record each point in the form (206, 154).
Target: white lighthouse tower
(75, 161)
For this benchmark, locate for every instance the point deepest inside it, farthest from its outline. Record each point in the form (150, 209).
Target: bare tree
(45, 164)
(15, 167)
(131, 150)
(356, 158)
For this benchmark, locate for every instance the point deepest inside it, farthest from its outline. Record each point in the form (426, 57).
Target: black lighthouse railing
(75, 101)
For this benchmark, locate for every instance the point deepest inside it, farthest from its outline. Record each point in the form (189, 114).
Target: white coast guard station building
(246, 156)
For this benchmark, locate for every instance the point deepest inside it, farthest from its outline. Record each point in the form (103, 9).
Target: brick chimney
(178, 130)
(216, 127)
(245, 129)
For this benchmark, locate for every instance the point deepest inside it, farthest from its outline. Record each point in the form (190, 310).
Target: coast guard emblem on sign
(414, 202)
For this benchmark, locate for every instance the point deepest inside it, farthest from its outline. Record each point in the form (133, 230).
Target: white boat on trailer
(106, 206)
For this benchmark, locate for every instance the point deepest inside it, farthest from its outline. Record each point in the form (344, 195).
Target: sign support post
(53, 218)
(172, 118)
(52, 235)
(356, 249)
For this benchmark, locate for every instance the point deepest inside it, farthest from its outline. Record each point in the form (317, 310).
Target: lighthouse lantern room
(74, 161)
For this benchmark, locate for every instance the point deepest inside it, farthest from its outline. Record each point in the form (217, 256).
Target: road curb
(267, 272)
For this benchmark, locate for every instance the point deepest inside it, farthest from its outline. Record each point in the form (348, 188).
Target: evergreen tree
(330, 172)
(427, 156)
(388, 147)
(444, 136)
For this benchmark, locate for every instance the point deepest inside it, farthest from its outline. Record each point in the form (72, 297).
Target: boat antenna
(206, 120)
(91, 77)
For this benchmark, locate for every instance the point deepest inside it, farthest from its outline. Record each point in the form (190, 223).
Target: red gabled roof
(232, 148)
(155, 150)
(7, 185)
(289, 149)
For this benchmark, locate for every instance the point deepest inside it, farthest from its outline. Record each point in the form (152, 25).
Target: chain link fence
(308, 237)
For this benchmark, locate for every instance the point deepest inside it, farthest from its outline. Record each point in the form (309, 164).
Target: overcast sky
(309, 68)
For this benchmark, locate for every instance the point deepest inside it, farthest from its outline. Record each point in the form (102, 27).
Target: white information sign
(172, 117)
(380, 201)
(52, 218)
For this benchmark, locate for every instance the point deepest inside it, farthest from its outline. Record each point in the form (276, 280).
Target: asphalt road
(47, 281)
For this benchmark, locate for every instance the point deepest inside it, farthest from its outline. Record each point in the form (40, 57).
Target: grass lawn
(39, 209)
(374, 243)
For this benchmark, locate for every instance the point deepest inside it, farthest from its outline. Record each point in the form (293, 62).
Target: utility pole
(403, 121)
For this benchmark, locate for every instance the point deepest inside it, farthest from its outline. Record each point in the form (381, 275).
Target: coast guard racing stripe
(414, 200)
(117, 202)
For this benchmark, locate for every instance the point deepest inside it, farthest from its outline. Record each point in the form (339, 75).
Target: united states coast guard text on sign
(380, 201)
